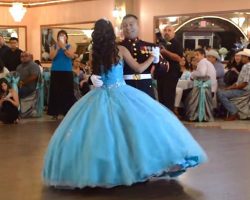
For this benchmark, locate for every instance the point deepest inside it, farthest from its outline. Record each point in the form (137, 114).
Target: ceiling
(37, 2)
(25, 1)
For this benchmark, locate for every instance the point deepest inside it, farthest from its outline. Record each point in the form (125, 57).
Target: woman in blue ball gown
(116, 134)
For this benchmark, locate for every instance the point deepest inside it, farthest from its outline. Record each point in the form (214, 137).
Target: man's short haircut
(201, 51)
(14, 38)
(128, 16)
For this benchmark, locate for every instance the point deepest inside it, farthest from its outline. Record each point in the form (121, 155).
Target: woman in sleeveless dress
(9, 102)
(116, 134)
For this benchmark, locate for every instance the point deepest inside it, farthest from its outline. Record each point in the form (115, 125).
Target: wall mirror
(79, 37)
(229, 30)
(15, 31)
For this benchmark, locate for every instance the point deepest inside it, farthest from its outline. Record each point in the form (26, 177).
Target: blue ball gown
(118, 135)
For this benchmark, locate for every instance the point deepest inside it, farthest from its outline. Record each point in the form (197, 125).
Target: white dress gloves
(96, 80)
(156, 53)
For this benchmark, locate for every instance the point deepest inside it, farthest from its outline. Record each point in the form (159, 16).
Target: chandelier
(17, 11)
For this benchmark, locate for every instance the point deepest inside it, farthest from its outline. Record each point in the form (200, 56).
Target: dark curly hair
(3, 80)
(62, 32)
(104, 47)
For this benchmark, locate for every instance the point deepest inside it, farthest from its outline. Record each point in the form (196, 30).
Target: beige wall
(57, 14)
(64, 13)
(93, 10)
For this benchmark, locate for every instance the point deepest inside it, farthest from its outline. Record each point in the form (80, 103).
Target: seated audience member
(204, 68)
(87, 68)
(214, 58)
(189, 55)
(29, 73)
(193, 64)
(3, 70)
(179, 90)
(234, 67)
(9, 102)
(241, 87)
(205, 80)
(78, 75)
(82, 74)
(84, 59)
(185, 69)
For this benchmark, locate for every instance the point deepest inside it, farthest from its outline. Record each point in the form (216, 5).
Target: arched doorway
(212, 31)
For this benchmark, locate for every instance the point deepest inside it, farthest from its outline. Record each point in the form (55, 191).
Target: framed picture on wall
(47, 41)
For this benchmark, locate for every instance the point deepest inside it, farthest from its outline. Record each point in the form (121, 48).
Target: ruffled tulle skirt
(118, 136)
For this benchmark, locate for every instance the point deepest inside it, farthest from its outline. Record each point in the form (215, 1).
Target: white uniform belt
(137, 76)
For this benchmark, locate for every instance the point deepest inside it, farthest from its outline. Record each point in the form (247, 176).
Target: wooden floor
(225, 177)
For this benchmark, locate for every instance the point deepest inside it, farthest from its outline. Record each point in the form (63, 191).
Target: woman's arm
(138, 67)
(69, 52)
(15, 100)
(235, 70)
(53, 51)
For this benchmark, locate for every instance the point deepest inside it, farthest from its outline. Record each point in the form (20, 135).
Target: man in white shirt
(204, 68)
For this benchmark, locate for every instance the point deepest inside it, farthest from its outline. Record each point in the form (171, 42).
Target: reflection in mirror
(79, 37)
(14, 31)
(220, 31)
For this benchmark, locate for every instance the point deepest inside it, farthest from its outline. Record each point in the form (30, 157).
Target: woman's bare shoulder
(120, 47)
(121, 50)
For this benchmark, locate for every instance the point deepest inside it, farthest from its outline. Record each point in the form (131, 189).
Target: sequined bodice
(114, 77)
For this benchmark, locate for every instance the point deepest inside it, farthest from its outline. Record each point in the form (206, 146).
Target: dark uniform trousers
(166, 88)
(144, 85)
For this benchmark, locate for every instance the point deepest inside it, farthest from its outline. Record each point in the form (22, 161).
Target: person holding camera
(167, 81)
(61, 93)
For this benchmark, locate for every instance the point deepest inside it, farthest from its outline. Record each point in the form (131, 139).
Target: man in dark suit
(166, 82)
(140, 50)
(12, 56)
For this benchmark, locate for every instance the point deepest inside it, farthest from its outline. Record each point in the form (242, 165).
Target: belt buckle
(136, 76)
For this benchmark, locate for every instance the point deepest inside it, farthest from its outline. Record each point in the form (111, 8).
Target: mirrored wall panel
(79, 37)
(19, 32)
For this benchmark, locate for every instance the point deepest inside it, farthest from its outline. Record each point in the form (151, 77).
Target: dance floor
(226, 176)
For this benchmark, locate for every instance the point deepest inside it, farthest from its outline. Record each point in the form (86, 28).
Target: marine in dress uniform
(140, 50)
